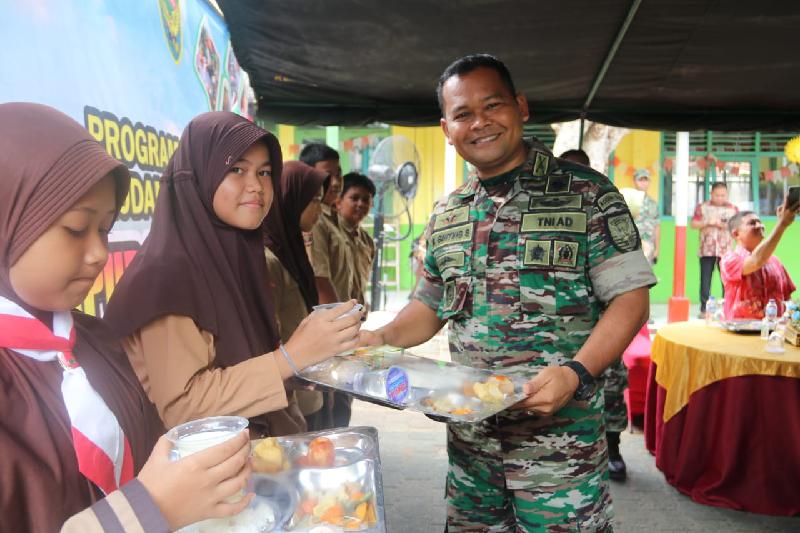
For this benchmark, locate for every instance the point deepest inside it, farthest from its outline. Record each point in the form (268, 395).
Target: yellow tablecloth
(692, 355)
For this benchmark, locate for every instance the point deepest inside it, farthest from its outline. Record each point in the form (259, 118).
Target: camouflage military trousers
(616, 411)
(520, 472)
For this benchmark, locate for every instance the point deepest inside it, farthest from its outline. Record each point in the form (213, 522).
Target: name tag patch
(462, 233)
(565, 254)
(569, 222)
(557, 183)
(451, 218)
(623, 232)
(609, 199)
(556, 202)
(537, 253)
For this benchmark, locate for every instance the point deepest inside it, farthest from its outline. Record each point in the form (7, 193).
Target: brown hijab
(48, 162)
(282, 234)
(193, 264)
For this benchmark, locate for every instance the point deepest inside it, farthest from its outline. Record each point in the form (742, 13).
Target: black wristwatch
(585, 381)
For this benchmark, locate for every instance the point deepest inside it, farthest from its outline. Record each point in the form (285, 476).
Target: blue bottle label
(397, 387)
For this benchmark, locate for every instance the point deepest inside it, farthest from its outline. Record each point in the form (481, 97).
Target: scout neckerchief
(104, 455)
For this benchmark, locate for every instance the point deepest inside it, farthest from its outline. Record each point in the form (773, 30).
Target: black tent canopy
(656, 64)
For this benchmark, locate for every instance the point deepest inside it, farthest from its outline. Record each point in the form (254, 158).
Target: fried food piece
(268, 457)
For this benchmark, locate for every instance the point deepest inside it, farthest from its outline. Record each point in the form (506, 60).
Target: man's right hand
(786, 214)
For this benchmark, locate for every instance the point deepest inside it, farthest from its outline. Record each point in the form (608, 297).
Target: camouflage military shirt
(522, 278)
(531, 274)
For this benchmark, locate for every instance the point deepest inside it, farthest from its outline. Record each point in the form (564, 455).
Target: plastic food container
(335, 477)
(396, 378)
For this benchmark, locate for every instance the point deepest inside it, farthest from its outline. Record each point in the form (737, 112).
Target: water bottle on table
(711, 310)
(770, 316)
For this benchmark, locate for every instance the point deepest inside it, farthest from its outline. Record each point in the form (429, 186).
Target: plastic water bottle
(771, 312)
(711, 310)
(770, 315)
(391, 384)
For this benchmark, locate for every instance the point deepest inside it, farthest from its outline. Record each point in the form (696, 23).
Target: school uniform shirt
(175, 362)
(363, 248)
(332, 255)
(290, 309)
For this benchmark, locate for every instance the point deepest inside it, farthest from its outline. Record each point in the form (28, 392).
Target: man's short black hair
(354, 179)
(718, 184)
(313, 153)
(467, 64)
(736, 220)
(576, 155)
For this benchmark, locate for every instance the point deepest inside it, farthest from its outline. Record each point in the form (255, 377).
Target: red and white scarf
(104, 455)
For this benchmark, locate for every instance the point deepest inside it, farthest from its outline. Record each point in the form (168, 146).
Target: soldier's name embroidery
(556, 202)
(623, 232)
(558, 183)
(536, 253)
(565, 254)
(541, 162)
(451, 260)
(452, 217)
(609, 199)
(569, 222)
(462, 233)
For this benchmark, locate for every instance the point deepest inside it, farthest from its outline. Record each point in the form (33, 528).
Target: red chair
(637, 360)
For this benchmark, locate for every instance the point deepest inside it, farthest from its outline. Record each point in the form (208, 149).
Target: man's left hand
(549, 391)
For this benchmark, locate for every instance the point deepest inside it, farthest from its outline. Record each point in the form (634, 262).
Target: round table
(723, 418)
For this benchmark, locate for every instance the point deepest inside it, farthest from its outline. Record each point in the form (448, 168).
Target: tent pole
(601, 74)
(580, 134)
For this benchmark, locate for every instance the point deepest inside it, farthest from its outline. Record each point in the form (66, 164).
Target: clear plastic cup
(354, 311)
(198, 435)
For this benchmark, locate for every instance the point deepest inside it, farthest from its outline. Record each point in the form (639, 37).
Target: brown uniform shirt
(174, 361)
(290, 309)
(332, 255)
(364, 252)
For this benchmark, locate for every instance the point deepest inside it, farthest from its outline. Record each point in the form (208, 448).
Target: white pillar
(449, 167)
(681, 178)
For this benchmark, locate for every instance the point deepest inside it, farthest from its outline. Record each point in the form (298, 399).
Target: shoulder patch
(541, 162)
(556, 202)
(558, 183)
(459, 215)
(572, 222)
(537, 253)
(622, 231)
(461, 233)
(608, 199)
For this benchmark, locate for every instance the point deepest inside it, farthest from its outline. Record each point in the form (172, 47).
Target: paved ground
(414, 461)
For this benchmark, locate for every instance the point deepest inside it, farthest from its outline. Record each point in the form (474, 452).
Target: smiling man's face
(484, 120)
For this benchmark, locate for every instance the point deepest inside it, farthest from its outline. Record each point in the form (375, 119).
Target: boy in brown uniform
(353, 206)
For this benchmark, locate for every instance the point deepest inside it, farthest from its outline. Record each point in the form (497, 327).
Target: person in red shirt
(751, 274)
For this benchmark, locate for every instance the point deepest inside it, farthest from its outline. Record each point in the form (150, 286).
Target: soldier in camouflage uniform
(522, 261)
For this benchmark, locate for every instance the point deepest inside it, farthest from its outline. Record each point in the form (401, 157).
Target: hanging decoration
(792, 150)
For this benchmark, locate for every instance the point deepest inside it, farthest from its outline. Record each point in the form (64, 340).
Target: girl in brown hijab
(194, 308)
(290, 275)
(75, 424)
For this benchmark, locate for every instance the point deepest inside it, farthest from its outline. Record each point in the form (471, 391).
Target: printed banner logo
(171, 23)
